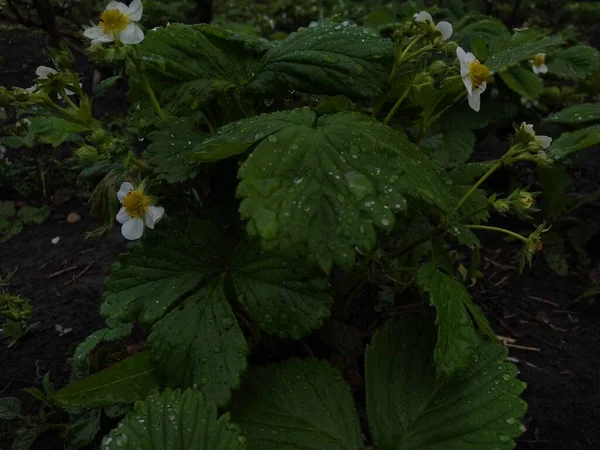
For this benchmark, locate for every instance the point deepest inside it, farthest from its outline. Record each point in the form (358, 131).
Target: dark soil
(553, 337)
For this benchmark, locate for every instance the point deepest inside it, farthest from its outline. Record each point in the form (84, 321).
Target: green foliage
(12, 221)
(409, 407)
(327, 57)
(577, 114)
(572, 142)
(554, 254)
(457, 338)
(514, 54)
(297, 404)
(124, 382)
(555, 184)
(175, 421)
(308, 188)
(574, 63)
(10, 408)
(450, 149)
(84, 429)
(523, 81)
(176, 281)
(171, 147)
(54, 130)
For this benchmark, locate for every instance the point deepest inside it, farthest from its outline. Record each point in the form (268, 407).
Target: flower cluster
(520, 203)
(442, 28)
(474, 76)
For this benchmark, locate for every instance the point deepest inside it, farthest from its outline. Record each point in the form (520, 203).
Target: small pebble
(55, 240)
(73, 217)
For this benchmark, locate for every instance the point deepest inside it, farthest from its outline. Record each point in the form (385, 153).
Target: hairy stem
(499, 230)
(397, 105)
(479, 182)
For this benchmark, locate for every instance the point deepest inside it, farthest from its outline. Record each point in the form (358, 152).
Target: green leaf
(10, 408)
(380, 17)
(457, 338)
(513, 55)
(175, 421)
(189, 65)
(554, 253)
(464, 235)
(572, 142)
(556, 183)
(574, 63)
(171, 147)
(523, 81)
(297, 405)
(160, 269)
(578, 114)
(7, 209)
(84, 429)
(327, 58)
(409, 407)
(105, 85)
(285, 297)
(103, 335)
(25, 438)
(462, 117)
(483, 28)
(450, 149)
(54, 130)
(320, 186)
(29, 214)
(201, 345)
(124, 382)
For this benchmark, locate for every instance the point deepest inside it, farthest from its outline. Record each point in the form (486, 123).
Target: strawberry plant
(265, 184)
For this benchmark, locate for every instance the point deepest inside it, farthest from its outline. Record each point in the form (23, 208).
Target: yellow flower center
(478, 73)
(539, 60)
(112, 21)
(135, 204)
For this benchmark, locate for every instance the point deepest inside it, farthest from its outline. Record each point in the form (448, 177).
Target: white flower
(474, 75)
(538, 63)
(137, 209)
(445, 28)
(2, 151)
(42, 73)
(118, 22)
(539, 142)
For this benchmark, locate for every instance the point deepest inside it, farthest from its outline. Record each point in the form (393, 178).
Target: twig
(532, 297)
(506, 339)
(522, 347)
(60, 272)
(76, 277)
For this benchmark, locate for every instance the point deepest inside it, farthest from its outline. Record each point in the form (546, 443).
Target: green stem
(500, 230)
(139, 163)
(397, 105)
(69, 102)
(238, 101)
(65, 112)
(400, 56)
(152, 96)
(480, 181)
(418, 52)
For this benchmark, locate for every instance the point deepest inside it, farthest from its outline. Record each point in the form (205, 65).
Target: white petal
(468, 84)
(153, 215)
(545, 141)
(32, 89)
(104, 38)
(460, 54)
(445, 28)
(133, 229)
(135, 10)
(55, 240)
(43, 71)
(124, 189)
(69, 92)
(464, 67)
(132, 34)
(423, 16)
(117, 5)
(482, 87)
(469, 58)
(93, 32)
(543, 69)
(122, 216)
(536, 69)
(475, 101)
